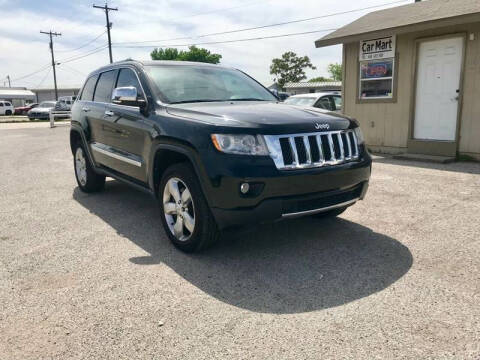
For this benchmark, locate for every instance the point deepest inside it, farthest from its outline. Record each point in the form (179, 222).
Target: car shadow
(292, 266)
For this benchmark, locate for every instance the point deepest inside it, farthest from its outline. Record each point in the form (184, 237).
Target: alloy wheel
(179, 209)
(81, 166)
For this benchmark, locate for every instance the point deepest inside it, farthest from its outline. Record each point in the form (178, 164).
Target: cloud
(23, 49)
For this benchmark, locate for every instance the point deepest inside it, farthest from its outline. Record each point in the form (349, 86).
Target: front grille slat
(299, 151)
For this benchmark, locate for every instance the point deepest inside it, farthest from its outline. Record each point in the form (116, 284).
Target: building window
(376, 79)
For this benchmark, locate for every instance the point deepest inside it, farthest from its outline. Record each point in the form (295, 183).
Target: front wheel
(185, 214)
(88, 180)
(8, 113)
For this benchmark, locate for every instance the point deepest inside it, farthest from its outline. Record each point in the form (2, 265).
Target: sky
(24, 50)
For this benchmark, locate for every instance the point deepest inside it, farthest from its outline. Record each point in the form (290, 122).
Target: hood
(271, 117)
(41, 110)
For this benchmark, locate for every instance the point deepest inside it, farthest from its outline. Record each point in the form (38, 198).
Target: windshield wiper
(196, 101)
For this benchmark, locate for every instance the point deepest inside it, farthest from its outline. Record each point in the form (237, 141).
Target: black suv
(214, 146)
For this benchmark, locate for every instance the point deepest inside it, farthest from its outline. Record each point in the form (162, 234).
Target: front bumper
(290, 207)
(289, 193)
(41, 116)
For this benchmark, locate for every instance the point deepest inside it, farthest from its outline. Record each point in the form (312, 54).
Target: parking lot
(94, 276)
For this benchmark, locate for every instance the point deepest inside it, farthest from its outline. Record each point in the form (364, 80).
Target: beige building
(412, 77)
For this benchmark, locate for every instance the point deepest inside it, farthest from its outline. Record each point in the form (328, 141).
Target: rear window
(103, 91)
(88, 89)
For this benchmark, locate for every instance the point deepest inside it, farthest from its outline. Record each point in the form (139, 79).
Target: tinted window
(338, 102)
(87, 93)
(8, 104)
(1, 104)
(103, 91)
(128, 78)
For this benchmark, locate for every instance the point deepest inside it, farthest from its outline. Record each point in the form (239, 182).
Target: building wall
(387, 125)
(49, 94)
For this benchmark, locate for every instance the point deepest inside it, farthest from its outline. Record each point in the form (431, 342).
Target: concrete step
(425, 158)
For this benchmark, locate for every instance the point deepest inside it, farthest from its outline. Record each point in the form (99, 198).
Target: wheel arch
(165, 155)
(77, 135)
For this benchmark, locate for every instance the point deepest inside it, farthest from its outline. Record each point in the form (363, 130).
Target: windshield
(183, 84)
(303, 101)
(46, 104)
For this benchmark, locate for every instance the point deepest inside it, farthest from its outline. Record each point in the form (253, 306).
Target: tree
(319, 79)
(290, 68)
(193, 54)
(335, 71)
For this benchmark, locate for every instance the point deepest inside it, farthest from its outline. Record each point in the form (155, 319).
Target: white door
(438, 82)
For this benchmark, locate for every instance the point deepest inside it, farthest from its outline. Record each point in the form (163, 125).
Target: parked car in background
(42, 111)
(23, 110)
(64, 103)
(6, 108)
(324, 100)
(283, 95)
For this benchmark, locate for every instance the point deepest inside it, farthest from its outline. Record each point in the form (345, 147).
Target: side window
(324, 103)
(8, 104)
(338, 102)
(1, 104)
(87, 93)
(128, 78)
(103, 91)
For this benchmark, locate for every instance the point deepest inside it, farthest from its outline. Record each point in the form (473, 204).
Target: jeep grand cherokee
(214, 147)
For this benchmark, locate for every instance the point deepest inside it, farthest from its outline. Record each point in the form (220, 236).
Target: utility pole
(109, 25)
(9, 83)
(53, 58)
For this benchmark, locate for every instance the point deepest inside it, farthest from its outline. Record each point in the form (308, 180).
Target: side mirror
(127, 95)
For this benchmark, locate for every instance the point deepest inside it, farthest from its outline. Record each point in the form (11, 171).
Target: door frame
(435, 147)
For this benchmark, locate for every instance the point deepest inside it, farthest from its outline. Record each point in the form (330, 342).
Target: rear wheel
(330, 213)
(185, 214)
(88, 180)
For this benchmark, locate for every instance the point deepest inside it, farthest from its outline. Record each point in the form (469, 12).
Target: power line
(226, 41)
(43, 80)
(270, 25)
(73, 70)
(109, 25)
(51, 34)
(75, 58)
(32, 73)
(84, 45)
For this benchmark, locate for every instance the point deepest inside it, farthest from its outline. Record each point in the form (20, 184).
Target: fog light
(244, 187)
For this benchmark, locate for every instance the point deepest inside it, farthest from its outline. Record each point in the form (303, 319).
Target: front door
(438, 86)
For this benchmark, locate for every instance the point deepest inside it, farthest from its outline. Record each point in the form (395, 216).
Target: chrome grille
(301, 151)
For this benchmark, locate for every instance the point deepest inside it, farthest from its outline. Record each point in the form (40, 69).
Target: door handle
(109, 113)
(86, 109)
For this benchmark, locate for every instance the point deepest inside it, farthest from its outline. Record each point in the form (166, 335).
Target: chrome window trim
(106, 150)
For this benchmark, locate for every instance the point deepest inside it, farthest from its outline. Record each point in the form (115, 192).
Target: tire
(87, 179)
(8, 112)
(185, 214)
(330, 213)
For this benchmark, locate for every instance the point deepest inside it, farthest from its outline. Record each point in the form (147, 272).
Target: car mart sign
(377, 48)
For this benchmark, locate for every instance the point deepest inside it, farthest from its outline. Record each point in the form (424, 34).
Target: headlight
(240, 144)
(359, 134)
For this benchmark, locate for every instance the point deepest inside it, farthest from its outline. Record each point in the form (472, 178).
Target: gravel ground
(397, 276)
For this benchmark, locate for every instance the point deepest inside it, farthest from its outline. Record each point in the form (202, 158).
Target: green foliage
(335, 71)
(193, 54)
(319, 79)
(290, 68)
